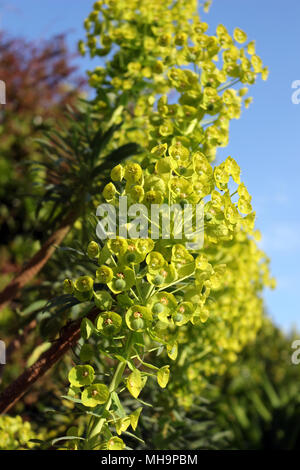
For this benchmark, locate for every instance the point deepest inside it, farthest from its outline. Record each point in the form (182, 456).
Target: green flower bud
(84, 284)
(158, 67)
(81, 47)
(155, 261)
(117, 173)
(68, 286)
(239, 35)
(104, 274)
(159, 150)
(154, 197)
(138, 317)
(137, 193)
(180, 39)
(96, 394)
(133, 172)
(166, 129)
(109, 191)
(144, 245)
(118, 246)
(97, 5)
(109, 323)
(93, 250)
(103, 300)
(81, 375)
(208, 217)
(164, 40)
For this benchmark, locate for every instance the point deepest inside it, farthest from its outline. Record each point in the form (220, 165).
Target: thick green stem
(116, 380)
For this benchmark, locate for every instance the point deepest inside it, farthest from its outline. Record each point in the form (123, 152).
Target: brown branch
(37, 261)
(69, 336)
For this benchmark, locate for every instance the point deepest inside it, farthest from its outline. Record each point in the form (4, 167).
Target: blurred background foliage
(40, 82)
(255, 405)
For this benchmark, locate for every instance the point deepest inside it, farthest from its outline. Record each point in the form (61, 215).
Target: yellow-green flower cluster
(162, 48)
(171, 85)
(15, 434)
(203, 304)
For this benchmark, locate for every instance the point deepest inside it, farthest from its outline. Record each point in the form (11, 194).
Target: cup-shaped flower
(138, 318)
(96, 394)
(109, 323)
(81, 375)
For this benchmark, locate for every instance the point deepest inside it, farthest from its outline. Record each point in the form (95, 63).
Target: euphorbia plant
(156, 294)
(165, 309)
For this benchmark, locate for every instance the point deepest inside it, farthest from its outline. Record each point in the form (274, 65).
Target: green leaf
(163, 376)
(103, 300)
(67, 438)
(122, 424)
(86, 352)
(134, 383)
(116, 156)
(116, 400)
(172, 351)
(37, 352)
(86, 328)
(72, 399)
(134, 418)
(38, 305)
(100, 140)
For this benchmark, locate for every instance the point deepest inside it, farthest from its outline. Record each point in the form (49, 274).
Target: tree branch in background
(37, 262)
(69, 336)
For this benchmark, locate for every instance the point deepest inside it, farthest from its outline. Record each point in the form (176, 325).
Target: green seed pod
(130, 257)
(68, 286)
(158, 280)
(120, 284)
(178, 317)
(93, 250)
(158, 308)
(138, 323)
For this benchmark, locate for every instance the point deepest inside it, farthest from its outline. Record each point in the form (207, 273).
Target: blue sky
(265, 141)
